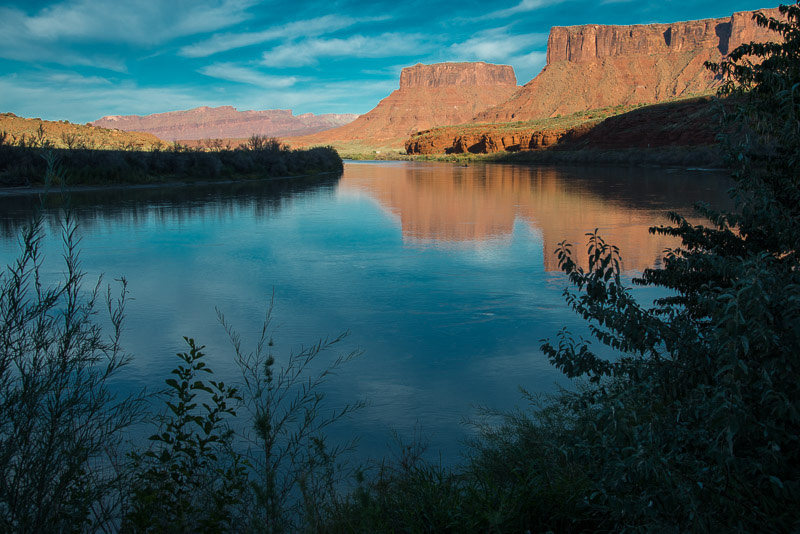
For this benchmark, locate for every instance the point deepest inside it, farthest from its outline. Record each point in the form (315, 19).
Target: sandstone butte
(428, 96)
(594, 66)
(224, 122)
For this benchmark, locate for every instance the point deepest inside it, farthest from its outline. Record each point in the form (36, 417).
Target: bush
(693, 425)
(293, 471)
(61, 422)
(191, 480)
(24, 163)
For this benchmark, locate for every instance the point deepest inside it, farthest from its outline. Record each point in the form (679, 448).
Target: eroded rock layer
(428, 96)
(686, 122)
(224, 122)
(595, 66)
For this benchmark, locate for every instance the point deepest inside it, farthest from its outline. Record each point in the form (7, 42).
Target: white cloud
(308, 52)
(48, 34)
(331, 97)
(293, 30)
(523, 7)
(525, 52)
(54, 95)
(142, 22)
(19, 44)
(527, 66)
(238, 73)
(496, 44)
(59, 95)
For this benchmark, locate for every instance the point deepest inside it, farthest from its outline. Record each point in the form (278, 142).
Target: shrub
(191, 480)
(693, 424)
(293, 470)
(61, 422)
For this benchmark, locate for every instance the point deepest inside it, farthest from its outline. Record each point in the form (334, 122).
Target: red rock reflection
(448, 203)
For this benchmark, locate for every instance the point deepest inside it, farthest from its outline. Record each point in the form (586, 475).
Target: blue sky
(82, 59)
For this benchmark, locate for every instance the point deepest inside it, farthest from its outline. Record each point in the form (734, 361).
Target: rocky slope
(224, 122)
(594, 66)
(63, 134)
(428, 96)
(686, 122)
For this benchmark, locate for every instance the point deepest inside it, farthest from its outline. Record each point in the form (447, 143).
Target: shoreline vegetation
(24, 162)
(691, 426)
(707, 157)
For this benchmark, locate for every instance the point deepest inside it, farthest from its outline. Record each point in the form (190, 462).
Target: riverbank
(682, 132)
(39, 190)
(683, 157)
(47, 167)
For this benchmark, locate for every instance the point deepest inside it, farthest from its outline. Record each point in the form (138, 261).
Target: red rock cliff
(429, 96)
(590, 42)
(594, 66)
(457, 75)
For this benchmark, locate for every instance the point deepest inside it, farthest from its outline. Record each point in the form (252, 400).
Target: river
(443, 275)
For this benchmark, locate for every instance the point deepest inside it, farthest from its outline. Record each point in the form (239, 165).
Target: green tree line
(25, 162)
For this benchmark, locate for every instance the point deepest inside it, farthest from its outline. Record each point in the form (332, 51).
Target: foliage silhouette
(21, 162)
(293, 471)
(192, 480)
(62, 425)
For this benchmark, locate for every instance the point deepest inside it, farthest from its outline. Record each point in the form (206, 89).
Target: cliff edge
(428, 96)
(595, 66)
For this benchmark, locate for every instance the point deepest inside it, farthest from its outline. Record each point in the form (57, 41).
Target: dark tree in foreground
(695, 424)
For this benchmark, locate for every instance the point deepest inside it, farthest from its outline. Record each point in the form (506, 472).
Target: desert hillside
(428, 96)
(63, 134)
(677, 123)
(224, 122)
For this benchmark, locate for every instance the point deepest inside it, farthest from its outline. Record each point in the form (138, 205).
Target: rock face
(429, 96)
(457, 75)
(224, 122)
(483, 140)
(594, 66)
(687, 122)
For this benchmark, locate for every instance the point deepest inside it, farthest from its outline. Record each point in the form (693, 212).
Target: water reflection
(134, 206)
(449, 204)
(444, 275)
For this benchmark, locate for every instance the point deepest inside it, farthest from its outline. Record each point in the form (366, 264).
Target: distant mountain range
(224, 122)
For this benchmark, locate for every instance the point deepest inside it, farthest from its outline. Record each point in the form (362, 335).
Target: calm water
(444, 275)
